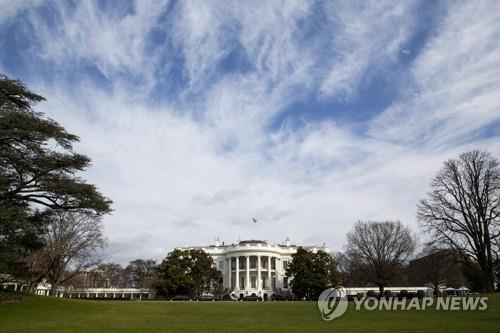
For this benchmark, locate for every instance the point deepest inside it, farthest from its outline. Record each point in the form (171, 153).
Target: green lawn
(46, 314)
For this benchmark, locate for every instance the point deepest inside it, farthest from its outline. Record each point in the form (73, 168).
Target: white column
(247, 279)
(237, 284)
(277, 275)
(269, 285)
(259, 282)
(229, 275)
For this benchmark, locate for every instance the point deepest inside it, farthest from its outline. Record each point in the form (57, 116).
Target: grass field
(46, 314)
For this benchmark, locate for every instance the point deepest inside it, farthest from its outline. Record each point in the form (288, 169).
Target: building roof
(252, 241)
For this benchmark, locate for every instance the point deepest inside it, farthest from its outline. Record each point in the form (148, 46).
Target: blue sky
(307, 115)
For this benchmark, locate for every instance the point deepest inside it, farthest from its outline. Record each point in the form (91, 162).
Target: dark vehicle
(283, 297)
(206, 297)
(180, 298)
(252, 298)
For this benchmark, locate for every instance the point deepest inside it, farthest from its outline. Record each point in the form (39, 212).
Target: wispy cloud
(179, 105)
(368, 36)
(454, 93)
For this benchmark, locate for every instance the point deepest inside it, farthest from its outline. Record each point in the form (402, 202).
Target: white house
(253, 266)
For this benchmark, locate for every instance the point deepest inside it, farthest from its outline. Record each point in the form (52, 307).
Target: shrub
(226, 297)
(439, 293)
(371, 293)
(420, 294)
(10, 297)
(403, 293)
(387, 293)
(360, 295)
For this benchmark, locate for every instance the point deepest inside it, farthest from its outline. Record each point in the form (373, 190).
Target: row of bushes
(7, 296)
(387, 294)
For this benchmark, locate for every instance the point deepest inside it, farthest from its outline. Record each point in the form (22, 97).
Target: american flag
(254, 220)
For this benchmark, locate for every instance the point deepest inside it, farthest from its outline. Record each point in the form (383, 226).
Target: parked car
(252, 298)
(180, 298)
(206, 297)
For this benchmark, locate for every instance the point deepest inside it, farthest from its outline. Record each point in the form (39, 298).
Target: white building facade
(254, 266)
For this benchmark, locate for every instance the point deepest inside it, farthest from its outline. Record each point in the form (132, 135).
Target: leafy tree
(203, 273)
(37, 162)
(186, 272)
(38, 171)
(383, 247)
(311, 273)
(20, 231)
(463, 210)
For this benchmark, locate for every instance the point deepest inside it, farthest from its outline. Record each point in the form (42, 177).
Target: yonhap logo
(332, 303)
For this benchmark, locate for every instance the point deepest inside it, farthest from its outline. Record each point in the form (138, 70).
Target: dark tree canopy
(37, 161)
(39, 171)
(438, 266)
(463, 210)
(187, 272)
(20, 231)
(383, 247)
(311, 273)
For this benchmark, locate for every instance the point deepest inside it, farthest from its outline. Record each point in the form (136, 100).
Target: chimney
(287, 241)
(217, 241)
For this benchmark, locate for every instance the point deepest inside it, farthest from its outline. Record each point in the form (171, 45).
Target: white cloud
(112, 42)
(365, 36)
(457, 81)
(9, 9)
(185, 173)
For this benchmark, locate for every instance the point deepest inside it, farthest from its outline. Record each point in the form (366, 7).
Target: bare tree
(463, 210)
(72, 243)
(141, 272)
(113, 276)
(383, 247)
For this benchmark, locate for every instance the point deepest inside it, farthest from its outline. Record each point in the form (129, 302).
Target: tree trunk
(381, 290)
(488, 280)
(53, 289)
(436, 289)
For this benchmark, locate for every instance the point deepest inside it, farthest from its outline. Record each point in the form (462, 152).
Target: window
(253, 262)
(253, 280)
(285, 264)
(285, 282)
(221, 265)
(242, 282)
